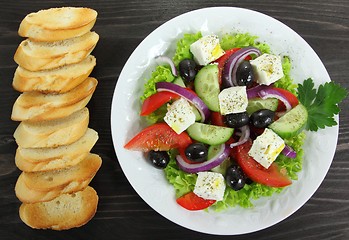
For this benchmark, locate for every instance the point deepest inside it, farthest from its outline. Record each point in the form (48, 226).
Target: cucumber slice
(221, 168)
(207, 86)
(292, 123)
(258, 103)
(197, 114)
(179, 81)
(209, 134)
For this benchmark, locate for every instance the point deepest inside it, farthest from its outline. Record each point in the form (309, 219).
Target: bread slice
(53, 133)
(36, 56)
(35, 106)
(27, 195)
(64, 212)
(45, 159)
(44, 186)
(50, 180)
(58, 80)
(56, 24)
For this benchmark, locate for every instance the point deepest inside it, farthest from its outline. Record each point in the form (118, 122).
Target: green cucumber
(292, 123)
(209, 134)
(179, 81)
(258, 103)
(197, 114)
(221, 168)
(207, 86)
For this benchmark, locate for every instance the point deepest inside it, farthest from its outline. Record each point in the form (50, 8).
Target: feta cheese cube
(179, 115)
(233, 100)
(210, 185)
(206, 49)
(266, 147)
(268, 68)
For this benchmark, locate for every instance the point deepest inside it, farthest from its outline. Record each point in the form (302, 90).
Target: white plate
(151, 184)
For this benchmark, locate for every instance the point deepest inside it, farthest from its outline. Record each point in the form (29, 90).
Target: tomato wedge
(291, 98)
(223, 59)
(155, 101)
(193, 202)
(271, 177)
(158, 137)
(217, 119)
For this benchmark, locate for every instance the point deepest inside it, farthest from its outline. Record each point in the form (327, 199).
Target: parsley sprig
(322, 104)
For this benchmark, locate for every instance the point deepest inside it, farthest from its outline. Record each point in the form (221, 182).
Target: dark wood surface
(122, 25)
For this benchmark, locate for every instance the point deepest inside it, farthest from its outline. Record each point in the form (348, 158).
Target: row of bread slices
(54, 141)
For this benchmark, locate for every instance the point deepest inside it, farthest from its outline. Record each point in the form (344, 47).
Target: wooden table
(122, 25)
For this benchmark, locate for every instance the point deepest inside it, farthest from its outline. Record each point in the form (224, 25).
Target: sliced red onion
(230, 67)
(245, 135)
(289, 152)
(207, 165)
(164, 59)
(188, 95)
(274, 93)
(253, 92)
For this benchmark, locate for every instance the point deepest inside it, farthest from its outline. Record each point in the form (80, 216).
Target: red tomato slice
(271, 177)
(155, 101)
(291, 98)
(193, 202)
(217, 119)
(158, 137)
(223, 59)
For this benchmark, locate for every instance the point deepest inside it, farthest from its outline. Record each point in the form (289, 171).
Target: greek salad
(226, 120)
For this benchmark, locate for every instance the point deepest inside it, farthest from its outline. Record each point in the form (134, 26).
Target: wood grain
(122, 25)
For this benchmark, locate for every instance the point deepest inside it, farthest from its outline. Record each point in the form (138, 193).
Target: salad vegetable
(226, 120)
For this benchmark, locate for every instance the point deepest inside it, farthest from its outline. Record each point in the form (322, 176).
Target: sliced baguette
(56, 24)
(50, 180)
(35, 106)
(53, 133)
(64, 212)
(58, 80)
(27, 195)
(54, 183)
(44, 159)
(36, 56)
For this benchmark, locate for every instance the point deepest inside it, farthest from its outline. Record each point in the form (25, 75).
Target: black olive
(159, 159)
(244, 74)
(262, 118)
(235, 177)
(196, 152)
(187, 70)
(236, 120)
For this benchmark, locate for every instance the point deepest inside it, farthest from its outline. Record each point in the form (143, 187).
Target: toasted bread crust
(58, 80)
(37, 56)
(52, 133)
(56, 24)
(34, 106)
(64, 212)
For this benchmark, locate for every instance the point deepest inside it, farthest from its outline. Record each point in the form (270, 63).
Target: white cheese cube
(233, 100)
(206, 49)
(266, 147)
(210, 185)
(179, 115)
(268, 68)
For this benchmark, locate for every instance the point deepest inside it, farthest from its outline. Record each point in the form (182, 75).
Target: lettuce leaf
(183, 47)
(160, 74)
(241, 40)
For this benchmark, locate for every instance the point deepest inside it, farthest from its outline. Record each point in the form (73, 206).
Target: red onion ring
(164, 59)
(253, 92)
(207, 165)
(289, 152)
(188, 95)
(245, 135)
(230, 67)
(274, 93)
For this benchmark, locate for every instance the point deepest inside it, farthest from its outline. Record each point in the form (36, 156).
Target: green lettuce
(160, 74)
(183, 47)
(241, 40)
